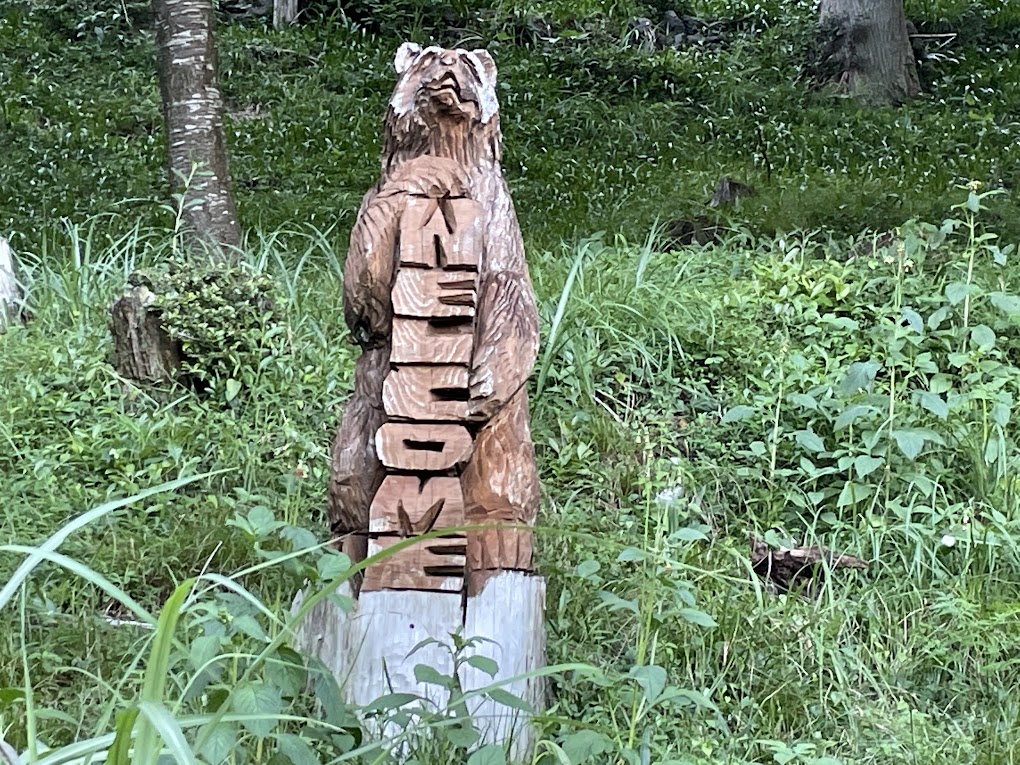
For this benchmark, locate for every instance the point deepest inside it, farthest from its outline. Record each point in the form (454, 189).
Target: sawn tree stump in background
(436, 434)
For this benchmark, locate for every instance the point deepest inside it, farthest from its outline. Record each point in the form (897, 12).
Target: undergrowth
(804, 387)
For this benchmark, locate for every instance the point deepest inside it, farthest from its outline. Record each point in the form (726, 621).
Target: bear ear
(407, 54)
(488, 72)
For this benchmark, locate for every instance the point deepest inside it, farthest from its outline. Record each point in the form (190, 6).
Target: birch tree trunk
(11, 295)
(193, 116)
(284, 12)
(868, 41)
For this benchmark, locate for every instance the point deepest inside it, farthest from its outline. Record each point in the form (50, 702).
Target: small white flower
(948, 540)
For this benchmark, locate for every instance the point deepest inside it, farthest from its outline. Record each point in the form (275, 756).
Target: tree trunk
(284, 12)
(193, 116)
(12, 305)
(867, 43)
(198, 177)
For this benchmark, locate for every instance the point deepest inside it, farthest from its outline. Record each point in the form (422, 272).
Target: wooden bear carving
(437, 294)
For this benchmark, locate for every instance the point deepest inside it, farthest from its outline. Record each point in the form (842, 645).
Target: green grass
(770, 384)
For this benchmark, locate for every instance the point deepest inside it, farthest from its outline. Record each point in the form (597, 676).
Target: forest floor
(839, 366)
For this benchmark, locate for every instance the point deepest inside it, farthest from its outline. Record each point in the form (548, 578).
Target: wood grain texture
(461, 248)
(432, 564)
(422, 447)
(509, 616)
(501, 483)
(421, 293)
(418, 227)
(426, 393)
(425, 341)
(408, 504)
(356, 471)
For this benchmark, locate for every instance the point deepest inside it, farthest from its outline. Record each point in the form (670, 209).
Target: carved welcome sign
(426, 396)
(435, 438)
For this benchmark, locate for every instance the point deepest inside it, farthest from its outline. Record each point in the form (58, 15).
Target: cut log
(432, 564)
(11, 296)
(433, 293)
(407, 504)
(142, 349)
(422, 341)
(509, 614)
(422, 448)
(427, 393)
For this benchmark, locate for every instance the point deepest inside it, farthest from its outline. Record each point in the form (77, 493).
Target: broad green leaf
(956, 292)
(651, 678)
(631, 554)
(296, 749)
(983, 336)
(865, 465)
(492, 754)
(809, 440)
(587, 568)
(803, 400)
(507, 699)
(991, 450)
(332, 565)
(1001, 413)
(852, 493)
(483, 664)
(616, 603)
(258, 698)
(1008, 304)
(935, 404)
(851, 414)
(219, 742)
(910, 442)
(423, 673)
(463, 734)
(937, 317)
(689, 534)
(738, 413)
(859, 375)
(233, 388)
(913, 320)
(694, 616)
(392, 701)
(584, 745)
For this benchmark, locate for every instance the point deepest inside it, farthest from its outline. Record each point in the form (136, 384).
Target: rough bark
(142, 350)
(12, 297)
(193, 118)
(867, 45)
(284, 12)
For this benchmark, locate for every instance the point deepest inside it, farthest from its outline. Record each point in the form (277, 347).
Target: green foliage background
(795, 381)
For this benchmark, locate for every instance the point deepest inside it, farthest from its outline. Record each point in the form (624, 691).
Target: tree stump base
(369, 651)
(142, 349)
